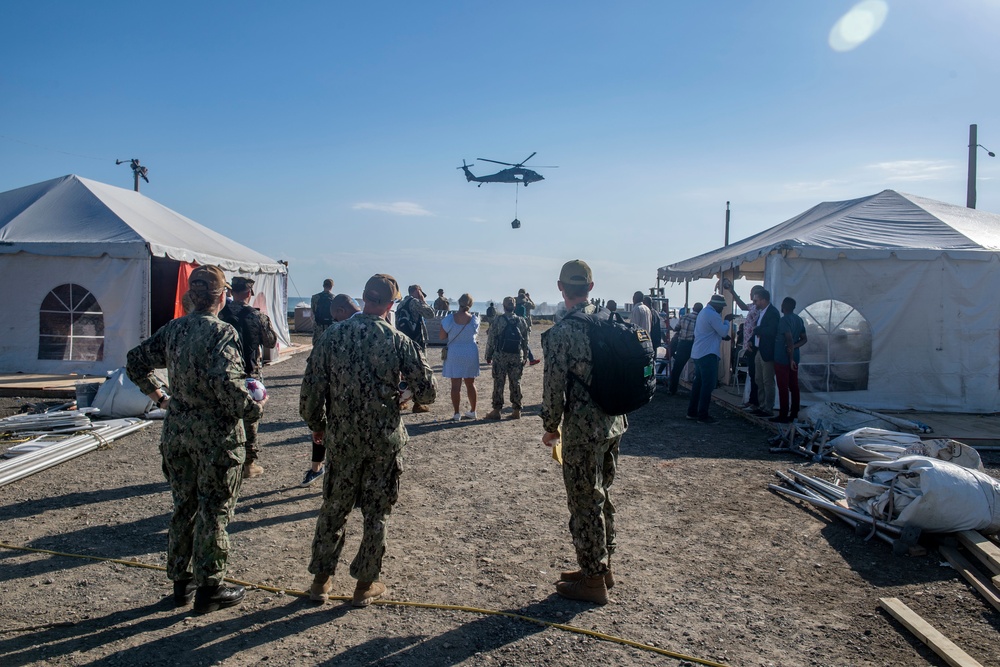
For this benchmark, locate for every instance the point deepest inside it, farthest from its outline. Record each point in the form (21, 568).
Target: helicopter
(516, 174)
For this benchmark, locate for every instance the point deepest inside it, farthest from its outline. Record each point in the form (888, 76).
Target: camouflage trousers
(588, 472)
(205, 482)
(370, 482)
(507, 368)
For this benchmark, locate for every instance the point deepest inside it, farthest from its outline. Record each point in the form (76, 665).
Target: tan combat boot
(588, 589)
(493, 414)
(321, 587)
(515, 413)
(366, 591)
(251, 469)
(418, 408)
(577, 575)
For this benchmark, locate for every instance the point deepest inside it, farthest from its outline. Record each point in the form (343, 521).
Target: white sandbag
(951, 451)
(119, 397)
(873, 444)
(932, 495)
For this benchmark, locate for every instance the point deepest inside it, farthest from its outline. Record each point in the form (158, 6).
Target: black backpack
(510, 338)
(405, 323)
(324, 314)
(622, 379)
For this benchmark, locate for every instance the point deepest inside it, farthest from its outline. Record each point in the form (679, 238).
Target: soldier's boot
(183, 591)
(211, 598)
(417, 407)
(588, 589)
(515, 413)
(493, 414)
(577, 575)
(251, 469)
(366, 591)
(321, 587)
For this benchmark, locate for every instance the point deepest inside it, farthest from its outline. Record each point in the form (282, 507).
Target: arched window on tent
(839, 350)
(71, 325)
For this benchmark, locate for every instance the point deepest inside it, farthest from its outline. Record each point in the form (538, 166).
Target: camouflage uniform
(507, 366)
(203, 439)
(350, 391)
(321, 306)
(590, 439)
(423, 311)
(254, 330)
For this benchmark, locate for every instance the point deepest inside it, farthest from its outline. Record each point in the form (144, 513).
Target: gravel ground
(710, 564)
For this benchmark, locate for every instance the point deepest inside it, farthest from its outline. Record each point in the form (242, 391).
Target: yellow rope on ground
(402, 603)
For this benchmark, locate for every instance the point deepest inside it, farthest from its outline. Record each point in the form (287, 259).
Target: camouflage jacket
(566, 350)
(208, 394)
(495, 335)
(351, 385)
(254, 330)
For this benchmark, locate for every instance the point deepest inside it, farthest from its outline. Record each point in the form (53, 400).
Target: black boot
(184, 591)
(211, 598)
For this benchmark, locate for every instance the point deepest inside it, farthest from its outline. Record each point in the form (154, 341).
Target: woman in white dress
(460, 330)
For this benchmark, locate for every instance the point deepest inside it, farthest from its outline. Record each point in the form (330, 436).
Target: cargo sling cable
(402, 603)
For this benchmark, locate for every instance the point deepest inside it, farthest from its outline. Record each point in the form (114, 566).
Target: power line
(54, 150)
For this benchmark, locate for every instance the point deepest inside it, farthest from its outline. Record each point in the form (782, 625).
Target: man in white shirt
(641, 315)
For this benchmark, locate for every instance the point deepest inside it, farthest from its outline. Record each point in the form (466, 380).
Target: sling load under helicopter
(517, 173)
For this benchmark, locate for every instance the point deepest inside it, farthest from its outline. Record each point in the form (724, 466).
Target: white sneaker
(457, 417)
(470, 415)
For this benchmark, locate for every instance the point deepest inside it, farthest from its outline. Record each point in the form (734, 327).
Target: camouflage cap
(417, 288)
(241, 284)
(576, 272)
(381, 289)
(208, 278)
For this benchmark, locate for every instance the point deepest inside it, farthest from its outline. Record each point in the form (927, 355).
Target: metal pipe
(867, 520)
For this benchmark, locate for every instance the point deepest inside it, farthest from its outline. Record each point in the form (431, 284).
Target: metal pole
(970, 196)
(727, 224)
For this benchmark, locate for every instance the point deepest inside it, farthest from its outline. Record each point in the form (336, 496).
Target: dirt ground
(710, 563)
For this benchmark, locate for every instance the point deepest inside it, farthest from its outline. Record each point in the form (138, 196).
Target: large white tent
(898, 293)
(89, 270)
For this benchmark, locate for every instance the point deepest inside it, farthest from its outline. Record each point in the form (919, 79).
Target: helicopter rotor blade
(527, 158)
(496, 162)
(545, 166)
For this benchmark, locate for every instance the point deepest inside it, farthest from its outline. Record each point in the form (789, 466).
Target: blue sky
(328, 134)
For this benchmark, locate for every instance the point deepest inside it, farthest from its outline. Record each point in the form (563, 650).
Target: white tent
(898, 295)
(89, 270)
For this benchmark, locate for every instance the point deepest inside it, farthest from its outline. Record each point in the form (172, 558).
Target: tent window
(71, 325)
(839, 350)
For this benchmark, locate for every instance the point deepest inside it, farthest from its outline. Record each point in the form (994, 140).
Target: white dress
(463, 352)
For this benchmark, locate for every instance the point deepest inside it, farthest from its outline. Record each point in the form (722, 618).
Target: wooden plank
(987, 552)
(853, 467)
(972, 575)
(928, 634)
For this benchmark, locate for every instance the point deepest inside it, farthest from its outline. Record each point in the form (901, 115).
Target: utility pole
(727, 224)
(137, 171)
(970, 196)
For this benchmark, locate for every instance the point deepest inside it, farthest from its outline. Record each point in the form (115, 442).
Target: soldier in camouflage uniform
(417, 308)
(203, 438)
(507, 366)
(590, 439)
(254, 330)
(350, 399)
(321, 305)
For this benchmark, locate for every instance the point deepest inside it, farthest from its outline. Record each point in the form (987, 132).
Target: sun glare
(856, 26)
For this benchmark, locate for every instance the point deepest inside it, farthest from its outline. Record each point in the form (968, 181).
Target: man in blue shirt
(710, 329)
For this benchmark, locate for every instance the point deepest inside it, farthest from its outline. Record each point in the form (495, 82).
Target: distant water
(477, 306)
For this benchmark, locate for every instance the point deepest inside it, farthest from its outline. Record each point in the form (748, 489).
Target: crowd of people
(213, 354)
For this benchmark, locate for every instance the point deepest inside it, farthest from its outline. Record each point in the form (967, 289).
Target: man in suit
(764, 335)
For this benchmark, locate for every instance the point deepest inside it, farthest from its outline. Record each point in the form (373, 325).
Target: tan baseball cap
(576, 272)
(344, 301)
(209, 278)
(417, 288)
(381, 289)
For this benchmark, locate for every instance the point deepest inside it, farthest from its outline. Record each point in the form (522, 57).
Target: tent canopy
(885, 224)
(76, 217)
